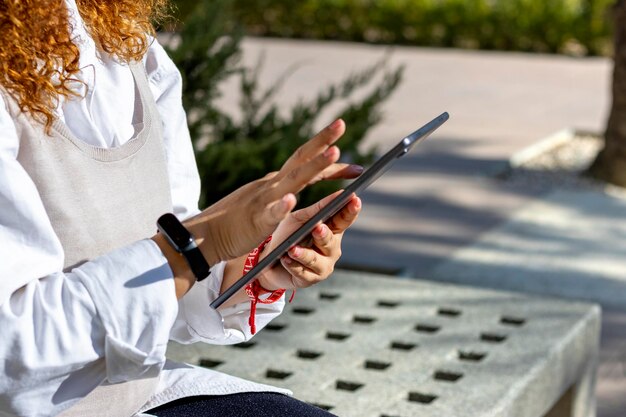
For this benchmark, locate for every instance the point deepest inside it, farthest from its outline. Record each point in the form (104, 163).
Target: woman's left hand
(304, 266)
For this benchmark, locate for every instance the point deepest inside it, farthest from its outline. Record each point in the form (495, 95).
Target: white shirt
(51, 327)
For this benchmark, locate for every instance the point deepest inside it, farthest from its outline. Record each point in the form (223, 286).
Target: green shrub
(521, 25)
(232, 151)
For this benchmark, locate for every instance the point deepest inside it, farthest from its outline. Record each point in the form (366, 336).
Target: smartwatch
(184, 243)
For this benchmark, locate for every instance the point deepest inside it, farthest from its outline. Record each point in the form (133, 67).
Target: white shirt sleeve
(65, 333)
(196, 321)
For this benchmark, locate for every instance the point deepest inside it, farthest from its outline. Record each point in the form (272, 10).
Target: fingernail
(334, 125)
(296, 251)
(284, 202)
(354, 208)
(287, 260)
(329, 151)
(357, 168)
(320, 231)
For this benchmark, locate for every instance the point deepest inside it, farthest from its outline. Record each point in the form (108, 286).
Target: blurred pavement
(443, 195)
(446, 194)
(569, 244)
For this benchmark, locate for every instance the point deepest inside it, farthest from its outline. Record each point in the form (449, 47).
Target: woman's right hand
(239, 222)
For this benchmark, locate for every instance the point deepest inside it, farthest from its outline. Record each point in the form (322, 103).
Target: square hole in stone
(364, 319)
(304, 311)
(449, 312)
(387, 304)
(276, 374)
(322, 406)
(470, 356)
(275, 327)
(377, 365)
(427, 328)
(348, 385)
(447, 376)
(492, 337)
(406, 346)
(418, 397)
(337, 336)
(210, 363)
(330, 296)
(244, 345)
(512, 321)
(308, 354)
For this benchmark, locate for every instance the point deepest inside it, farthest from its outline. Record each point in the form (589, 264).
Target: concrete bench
(365, 345)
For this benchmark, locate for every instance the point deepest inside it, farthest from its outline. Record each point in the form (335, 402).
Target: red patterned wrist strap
(254, 288)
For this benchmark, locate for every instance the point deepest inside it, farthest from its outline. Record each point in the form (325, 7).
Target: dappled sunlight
(571, 244)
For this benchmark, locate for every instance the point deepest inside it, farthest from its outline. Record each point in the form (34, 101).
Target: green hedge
(570, 26)
(232, 151)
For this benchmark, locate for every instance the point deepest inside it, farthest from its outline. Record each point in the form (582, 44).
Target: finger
(306, 213)
(323, 240)
(346, 216)
(278, 210)
(301, 276)
(307, 259)
(303, 174)
(315, 146)
(339, 171)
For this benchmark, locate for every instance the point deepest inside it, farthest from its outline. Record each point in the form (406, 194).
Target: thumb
(310, 211)
(278, 210)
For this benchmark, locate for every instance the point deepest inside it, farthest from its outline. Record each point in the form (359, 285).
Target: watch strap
(184, 243)
(199, 266)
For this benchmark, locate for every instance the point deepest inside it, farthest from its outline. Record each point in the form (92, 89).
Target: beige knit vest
(98, 200)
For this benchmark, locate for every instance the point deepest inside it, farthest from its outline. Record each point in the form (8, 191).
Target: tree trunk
(610, 164)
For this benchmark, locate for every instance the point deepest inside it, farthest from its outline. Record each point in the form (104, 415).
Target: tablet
(365, 179)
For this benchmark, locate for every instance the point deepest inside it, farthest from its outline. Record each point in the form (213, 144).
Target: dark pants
(247, 404)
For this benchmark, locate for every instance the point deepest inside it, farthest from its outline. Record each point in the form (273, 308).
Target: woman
(94, 148)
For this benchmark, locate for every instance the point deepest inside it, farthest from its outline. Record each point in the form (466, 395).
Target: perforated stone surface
(364, 345)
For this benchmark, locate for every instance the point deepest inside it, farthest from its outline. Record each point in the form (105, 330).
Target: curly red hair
(38, 59)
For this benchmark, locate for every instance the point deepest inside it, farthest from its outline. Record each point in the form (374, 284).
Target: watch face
(171, 227)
